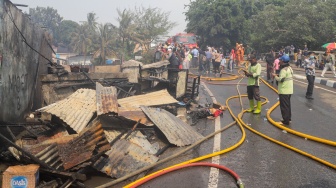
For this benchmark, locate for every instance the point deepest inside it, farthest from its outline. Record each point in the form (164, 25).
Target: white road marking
(317, 87)
(214, 172)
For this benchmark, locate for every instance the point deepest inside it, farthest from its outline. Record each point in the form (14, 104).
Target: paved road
(259, 162)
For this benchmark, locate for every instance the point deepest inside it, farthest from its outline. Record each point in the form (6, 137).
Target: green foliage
(151, 23)
(48, 18)
(139, 26)
(218, 22)
(106, 40)
(67, 27)
(80, 40)
(263, 24)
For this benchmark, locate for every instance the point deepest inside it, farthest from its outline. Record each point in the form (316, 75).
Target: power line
(24, 39)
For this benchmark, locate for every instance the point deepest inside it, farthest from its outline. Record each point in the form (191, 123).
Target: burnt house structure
(25, 54)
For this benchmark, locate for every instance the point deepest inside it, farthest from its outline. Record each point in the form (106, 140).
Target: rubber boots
(251, 106)
(258, 110)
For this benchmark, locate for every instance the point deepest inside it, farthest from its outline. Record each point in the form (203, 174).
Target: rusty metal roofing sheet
(81, 148)
(151, 99)
(156, 65)
(106, 98)
(50, 156)
(76, 110)
(135, 114)
(65, 152)
(176, 131)
(124, 158)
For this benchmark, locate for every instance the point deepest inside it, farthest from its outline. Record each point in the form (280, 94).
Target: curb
(319, 80)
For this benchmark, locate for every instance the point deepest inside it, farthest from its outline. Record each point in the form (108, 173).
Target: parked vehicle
(187, 39)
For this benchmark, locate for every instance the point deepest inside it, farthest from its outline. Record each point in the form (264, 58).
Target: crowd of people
(207, 60)
(278, 68)
(280, 71)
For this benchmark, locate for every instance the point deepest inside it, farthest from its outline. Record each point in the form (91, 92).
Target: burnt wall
(22, 45)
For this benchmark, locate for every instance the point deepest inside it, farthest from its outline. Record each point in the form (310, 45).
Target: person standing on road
(253, 73)
(269, 65)
(310, 74)
(285, 89)
(329, 62)
(173, 61)
(195, 54)
(276, 68)
(208, 55)
(216, 64)
(299, 59)
(157, 55)
(232, 60)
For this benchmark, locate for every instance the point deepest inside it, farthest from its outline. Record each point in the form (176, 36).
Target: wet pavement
(259, 162)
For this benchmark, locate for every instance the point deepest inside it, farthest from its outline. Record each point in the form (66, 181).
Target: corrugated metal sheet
(106, 98)
(81, 148)
(135, 114)
(51, 157)
(68, 151)
(156, 65)
(76, 110)
(136, 137)
(176, 131)
(150, 99)
(124, 158)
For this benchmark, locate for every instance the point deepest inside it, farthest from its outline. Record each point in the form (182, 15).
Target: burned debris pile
(94, 129)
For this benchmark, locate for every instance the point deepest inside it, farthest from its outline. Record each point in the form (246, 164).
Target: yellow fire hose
(241, 124)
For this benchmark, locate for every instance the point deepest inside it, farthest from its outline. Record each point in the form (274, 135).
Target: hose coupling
(240, 183)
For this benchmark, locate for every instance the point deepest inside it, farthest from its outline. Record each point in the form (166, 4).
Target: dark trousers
(311, 80)
(207, 65)
(216, 67)
(200, 66)
(269, 71)
(285, 108)
(194, 62)
(253, 92)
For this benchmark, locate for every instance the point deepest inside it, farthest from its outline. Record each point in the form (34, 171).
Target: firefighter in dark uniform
(285, 89)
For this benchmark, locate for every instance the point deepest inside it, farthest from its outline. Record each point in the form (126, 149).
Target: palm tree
(92, 21)
(126, 28)
(80, 40)
(106, 36)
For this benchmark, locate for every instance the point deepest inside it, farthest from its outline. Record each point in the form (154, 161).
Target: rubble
(92, 128)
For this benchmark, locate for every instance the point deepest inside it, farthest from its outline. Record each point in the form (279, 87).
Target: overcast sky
(105, 10)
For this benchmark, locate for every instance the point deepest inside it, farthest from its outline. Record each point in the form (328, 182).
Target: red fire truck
(187, 39)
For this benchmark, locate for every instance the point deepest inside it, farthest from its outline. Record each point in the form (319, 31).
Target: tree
(106, 38)
(49, 18)
(126, 30)
(297, 22)
(151, 23)
(217, 22)
(92, 21)
(81, 40)
(262, 24)
(67, 27)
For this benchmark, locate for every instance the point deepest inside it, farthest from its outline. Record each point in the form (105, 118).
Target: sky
(105, 10)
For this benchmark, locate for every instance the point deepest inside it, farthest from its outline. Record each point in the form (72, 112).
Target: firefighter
(253, 73)
(285, 89)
